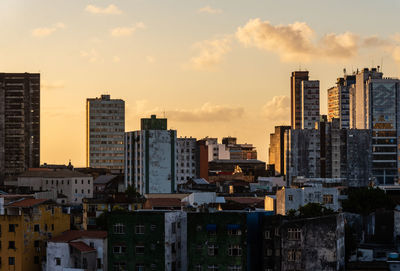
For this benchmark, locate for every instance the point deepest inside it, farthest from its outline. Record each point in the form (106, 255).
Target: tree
(366, 200)
(132, 193)
(314, 210)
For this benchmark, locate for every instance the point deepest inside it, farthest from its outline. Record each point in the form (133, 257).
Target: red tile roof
(81, 246)
(25, 203)
(162, 202)
(71, 235)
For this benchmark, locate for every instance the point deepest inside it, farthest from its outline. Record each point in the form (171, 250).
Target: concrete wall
(175, 237)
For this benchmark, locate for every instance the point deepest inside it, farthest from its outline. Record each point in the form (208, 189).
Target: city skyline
(206, 64)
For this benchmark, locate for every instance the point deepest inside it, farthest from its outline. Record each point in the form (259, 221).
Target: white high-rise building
(105, 127)
(150, 158)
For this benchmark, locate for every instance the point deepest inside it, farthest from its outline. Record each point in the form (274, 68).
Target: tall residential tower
(105, 127)
(296, 97)
(19, 123)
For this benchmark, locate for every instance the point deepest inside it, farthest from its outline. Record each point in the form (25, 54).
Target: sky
(213, 67)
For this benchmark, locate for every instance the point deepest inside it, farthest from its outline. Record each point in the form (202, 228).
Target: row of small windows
(67, 182)
(292, 234)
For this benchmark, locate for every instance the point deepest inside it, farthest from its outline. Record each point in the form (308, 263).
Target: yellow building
(93, 208)
(25, 227)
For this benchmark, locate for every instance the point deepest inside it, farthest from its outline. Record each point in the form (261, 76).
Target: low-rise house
(293, 198)
(26, 225)
(73, 184)
(147, 240)
(78, 250)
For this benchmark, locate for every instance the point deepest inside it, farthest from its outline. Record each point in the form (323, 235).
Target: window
(234, 268)
(267, 235)
(11, 227)
(327, 199)
(173, 226)
(119, 228)
(276, 231)
(119, 249)
(52, 227)
(36, 228)
(290, 197)
(212, 268)
(119, 266)
(139, 229)
(36, 243)
(277, 252)
(139, 249)
(99, 264)
(294, 255)
(153, 227)
(294, 234)
(212, 250)
(234, 250)
(153, 266)
(268, 252)
(11, 261)
(198, 267)
(234, 232)
(11, 244)
(36, 260)
(139, 267)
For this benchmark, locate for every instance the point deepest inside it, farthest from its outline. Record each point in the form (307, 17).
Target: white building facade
(74, 185)
(216, 151)
(77, 250)
(150, 161)
(186, 159)
(293, 198)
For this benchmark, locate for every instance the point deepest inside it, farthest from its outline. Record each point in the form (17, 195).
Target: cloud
(46, 85)
(47, 31)
(126, 31)
(297, 41)
(209, 10)
(277, 109)
(90, 55)
(206, 113)
(109, 10)
(211, 53)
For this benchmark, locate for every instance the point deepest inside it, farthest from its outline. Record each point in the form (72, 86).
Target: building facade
(276, 149)
(77, 250)
(216, 151)
(186, 151)
(378, 109)
(339, 100)
(217, 241)
(293, 198)
(296, 97)
(19, 123)
(309, 103)
(150, 160)
(105, 127)
(147, 240)
(26, 227)
(303, 243)
(74, 185)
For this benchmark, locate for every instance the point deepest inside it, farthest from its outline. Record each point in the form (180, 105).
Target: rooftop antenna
(382, 64)
(164, 113)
